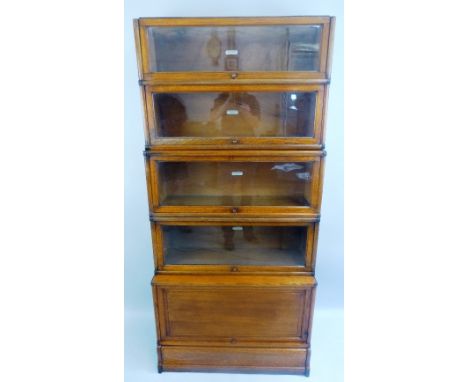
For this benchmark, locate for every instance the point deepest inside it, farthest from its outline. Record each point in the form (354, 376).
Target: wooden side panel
(183, 358)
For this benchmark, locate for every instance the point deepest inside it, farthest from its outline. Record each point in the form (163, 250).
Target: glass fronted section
(234, 48)
(234, 245)
(235, 183)
(235, 114)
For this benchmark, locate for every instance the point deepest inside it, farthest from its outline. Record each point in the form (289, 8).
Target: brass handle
(235, 210)
(234, 269)
(234, 75)
(234, 141)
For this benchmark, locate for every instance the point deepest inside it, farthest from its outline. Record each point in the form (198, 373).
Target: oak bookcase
(234, 128)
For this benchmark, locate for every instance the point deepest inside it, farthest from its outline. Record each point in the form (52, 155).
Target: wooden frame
(309, 257)
(315, 191)
(140, 26)
(248, 318)
(233, 142)
(185, 336)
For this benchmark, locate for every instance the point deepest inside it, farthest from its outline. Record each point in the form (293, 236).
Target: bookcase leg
(160, 368)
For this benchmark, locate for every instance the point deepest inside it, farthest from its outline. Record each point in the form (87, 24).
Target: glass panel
(235, 114)
(234, 184)
(234, 48)
(235, 245)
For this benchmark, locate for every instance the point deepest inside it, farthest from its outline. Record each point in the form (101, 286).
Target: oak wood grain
(212, 312)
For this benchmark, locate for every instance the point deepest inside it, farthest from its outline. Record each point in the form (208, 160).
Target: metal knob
(234, 269)
(235, 210)
(234, 141)
(234, 75)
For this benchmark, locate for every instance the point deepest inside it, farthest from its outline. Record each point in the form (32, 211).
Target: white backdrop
(327, 362)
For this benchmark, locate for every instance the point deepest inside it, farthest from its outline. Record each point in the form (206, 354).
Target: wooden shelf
(244, 200)
(243, 257)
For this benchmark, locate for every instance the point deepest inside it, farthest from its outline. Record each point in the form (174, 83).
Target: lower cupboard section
(224, 359)
(243, 323)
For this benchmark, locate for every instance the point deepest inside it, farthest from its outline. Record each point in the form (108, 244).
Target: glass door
(234, 48)
(234, 247)
(221, 47)
(235, 117)
(242, 184)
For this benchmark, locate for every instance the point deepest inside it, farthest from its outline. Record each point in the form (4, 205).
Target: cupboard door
(235, 185)
(235, 117)
(234, 309)
(229, 247)
(225, 45)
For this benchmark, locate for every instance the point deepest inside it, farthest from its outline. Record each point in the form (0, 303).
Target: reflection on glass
(238, 114)
(234, 184)
(243, 48)
(234, 245)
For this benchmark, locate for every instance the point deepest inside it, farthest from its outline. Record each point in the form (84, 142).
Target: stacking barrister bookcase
(234, 125)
